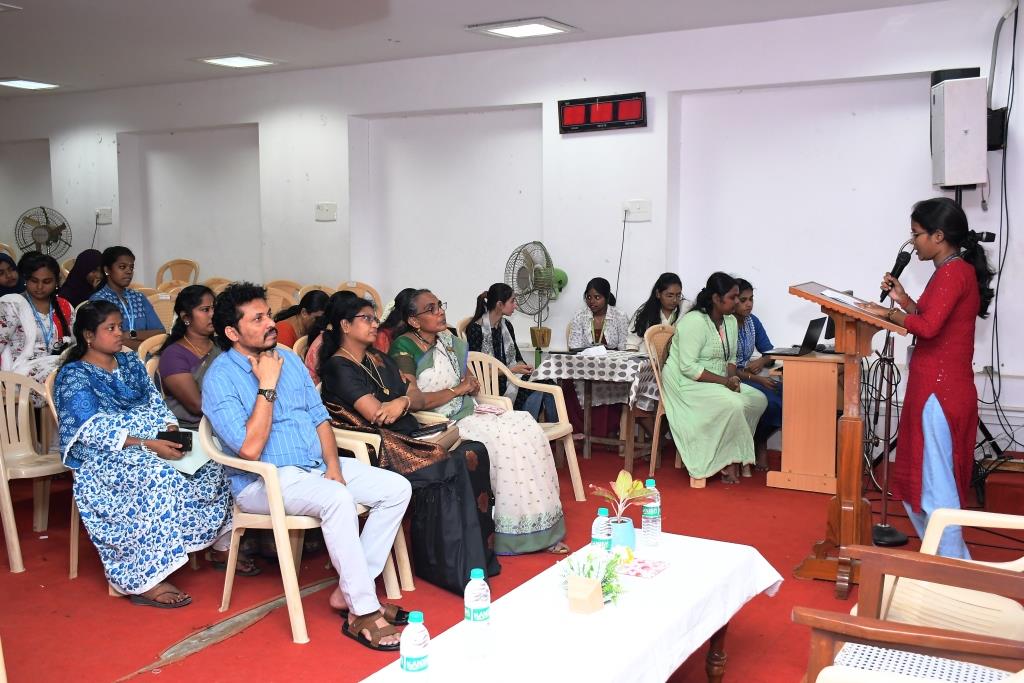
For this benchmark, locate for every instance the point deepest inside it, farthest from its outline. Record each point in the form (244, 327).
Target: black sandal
(395, 615)
(244, 565)
(368, 622)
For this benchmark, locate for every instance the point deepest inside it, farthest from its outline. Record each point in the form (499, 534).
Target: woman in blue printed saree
(143, 516)
(527, 510)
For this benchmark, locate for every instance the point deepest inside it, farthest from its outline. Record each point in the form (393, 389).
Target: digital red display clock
(601, 113)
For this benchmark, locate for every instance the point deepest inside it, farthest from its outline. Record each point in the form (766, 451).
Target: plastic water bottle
(650, 526)
(477, 599)
(601, 530)
(414, 646)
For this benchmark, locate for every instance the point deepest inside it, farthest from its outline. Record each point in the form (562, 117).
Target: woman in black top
(359, 379)
(491, 332)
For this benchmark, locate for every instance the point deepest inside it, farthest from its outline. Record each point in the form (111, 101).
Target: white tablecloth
(656, 624)
(617, 377)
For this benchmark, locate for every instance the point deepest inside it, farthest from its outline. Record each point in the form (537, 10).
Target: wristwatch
(269, 394)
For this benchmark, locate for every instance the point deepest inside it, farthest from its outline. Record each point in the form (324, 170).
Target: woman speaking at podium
(939, 420)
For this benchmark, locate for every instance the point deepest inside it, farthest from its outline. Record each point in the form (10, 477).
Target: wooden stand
(849, 514)
(809, 423)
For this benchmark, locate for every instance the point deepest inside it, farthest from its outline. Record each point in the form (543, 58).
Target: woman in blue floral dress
(142, 514)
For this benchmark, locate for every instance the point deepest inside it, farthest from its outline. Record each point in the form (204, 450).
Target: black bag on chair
(447, 541)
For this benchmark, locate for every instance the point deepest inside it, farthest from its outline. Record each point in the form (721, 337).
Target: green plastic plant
(625, 491)
(592, 564)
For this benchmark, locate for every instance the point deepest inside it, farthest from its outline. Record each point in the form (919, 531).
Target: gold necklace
(378, 379)
(195, 350)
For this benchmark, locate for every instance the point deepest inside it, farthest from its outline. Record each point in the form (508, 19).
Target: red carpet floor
(56, 629)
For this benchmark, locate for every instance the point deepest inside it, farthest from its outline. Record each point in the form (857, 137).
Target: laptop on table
(811, 337)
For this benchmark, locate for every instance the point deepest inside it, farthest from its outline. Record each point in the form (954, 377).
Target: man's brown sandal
(368, 623)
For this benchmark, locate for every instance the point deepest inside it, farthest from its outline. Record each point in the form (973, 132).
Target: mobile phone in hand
(182, 438)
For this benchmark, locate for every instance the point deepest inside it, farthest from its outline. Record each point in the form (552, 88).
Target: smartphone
(181, 437)
(429, 429)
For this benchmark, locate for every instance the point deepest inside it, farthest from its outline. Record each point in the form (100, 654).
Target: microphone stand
(882, 534)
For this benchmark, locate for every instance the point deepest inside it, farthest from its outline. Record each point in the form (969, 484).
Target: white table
(657, 623)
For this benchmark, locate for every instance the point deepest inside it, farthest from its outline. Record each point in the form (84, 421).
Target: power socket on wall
(104, 215)
(637, 210)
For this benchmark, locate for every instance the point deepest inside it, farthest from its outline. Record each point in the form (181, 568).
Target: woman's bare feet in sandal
(559, 549)
(163, 595)
(244, 565)
(730, 475)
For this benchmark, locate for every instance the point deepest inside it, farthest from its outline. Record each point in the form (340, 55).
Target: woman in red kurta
(939, 419)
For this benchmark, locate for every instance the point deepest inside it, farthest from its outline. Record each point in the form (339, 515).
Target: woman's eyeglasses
(370, 319)
(434, 309)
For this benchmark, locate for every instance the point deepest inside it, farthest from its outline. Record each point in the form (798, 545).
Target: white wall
(193, 192)
(24, 182)
(446, 199)
(309, 121)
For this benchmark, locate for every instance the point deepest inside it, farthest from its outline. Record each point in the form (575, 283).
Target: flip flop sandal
(222, 565)
(367, 622)
(395, 615)
(558, 549)
(153, 602)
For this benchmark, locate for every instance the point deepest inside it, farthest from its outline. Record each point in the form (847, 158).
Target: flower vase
(623, 533)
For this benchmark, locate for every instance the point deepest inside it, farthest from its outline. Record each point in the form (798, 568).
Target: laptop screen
(813, 333)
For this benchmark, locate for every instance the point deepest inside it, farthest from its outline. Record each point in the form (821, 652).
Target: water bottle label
(651, 511)
(605, 543)
(414, 663)
(478, 613)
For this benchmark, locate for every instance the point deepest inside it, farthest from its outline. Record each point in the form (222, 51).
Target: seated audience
(140, 320)
(296, 321)
(363, 389)
(85, 277)
(600, 322)
(261, 403)
(186, 354)
(751, 336)
(143, 516)
(528, 512)
(392, 318)
(661, 308)
(35, 325)
(10, 280)
(491, 332)
(712, 414)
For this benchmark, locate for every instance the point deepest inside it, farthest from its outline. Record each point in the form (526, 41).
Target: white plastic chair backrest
(300, 346)
(51, 379)
(278, 300)
(147, 346)
(289, 287)
(326, 289)
(658, 339)
(153, 370)
(487, 372)
(16, 433)
(144, 291)
(364, 290)
(172, 287)
(462, 325)
(216, 283)
(163, 305)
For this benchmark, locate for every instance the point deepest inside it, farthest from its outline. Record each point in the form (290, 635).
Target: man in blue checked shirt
(263, 406)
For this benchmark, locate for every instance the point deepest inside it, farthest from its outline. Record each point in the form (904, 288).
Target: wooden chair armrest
(922, 639)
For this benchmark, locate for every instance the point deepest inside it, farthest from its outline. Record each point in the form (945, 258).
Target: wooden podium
(849, 514)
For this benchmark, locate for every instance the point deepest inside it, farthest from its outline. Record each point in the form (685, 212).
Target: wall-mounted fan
(535, 282)
(44, 230)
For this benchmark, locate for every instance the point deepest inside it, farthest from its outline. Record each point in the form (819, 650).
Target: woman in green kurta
(711, 413)
(527, 509)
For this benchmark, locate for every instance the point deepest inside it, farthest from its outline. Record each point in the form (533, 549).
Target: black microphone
(902, 259)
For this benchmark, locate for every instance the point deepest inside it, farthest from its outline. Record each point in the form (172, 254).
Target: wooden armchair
(848, 647)
(488, 369)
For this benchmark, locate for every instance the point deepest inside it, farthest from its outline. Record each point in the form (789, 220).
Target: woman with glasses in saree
(528, 512)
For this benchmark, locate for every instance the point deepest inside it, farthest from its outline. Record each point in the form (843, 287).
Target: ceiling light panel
(534, 27)
(239, 61)
(26, 85)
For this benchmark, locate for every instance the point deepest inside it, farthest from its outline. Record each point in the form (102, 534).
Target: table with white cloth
(615, 377)
(655, 625)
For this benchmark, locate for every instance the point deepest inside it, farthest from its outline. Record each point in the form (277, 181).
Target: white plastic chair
(488, 369)
(19, 459)
(288, 534)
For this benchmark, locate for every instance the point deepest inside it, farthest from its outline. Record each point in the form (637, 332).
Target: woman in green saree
(528, 512)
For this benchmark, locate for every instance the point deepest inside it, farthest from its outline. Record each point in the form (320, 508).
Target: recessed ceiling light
(4, 7)
(523, 28)
(26, 85)
(239, 61)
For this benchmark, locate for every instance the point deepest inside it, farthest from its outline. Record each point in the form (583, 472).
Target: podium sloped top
(814, 292)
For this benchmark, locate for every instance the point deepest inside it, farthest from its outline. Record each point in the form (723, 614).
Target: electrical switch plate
(104, 215)
(326, 211)
(637, 210)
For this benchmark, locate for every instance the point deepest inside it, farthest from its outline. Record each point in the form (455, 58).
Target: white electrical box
(959, 132)
(637, 210)
(326, 211)
(104, 216)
